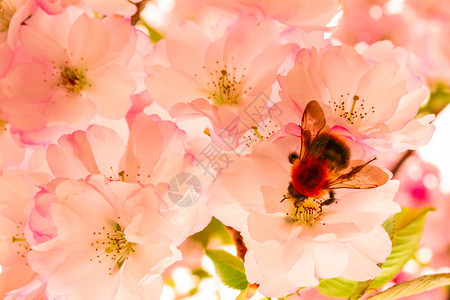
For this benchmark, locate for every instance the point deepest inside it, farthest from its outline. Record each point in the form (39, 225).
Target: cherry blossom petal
(110, 91)
(88, 40)
(373, 206)
(365, 252)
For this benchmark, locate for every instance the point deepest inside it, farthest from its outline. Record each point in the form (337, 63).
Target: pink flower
(374, 23)
(154, 148)
(12, 152)
(71, 75)
(431, 9)
(346, 82)
(224, 79)
(55, 6)
(154, 154)
(34, 290)
(12, 14)
(427, 21)
(157, 15)
(298, 13)
(18, 188)
(109, 238)
(289, 246)
(102, 7)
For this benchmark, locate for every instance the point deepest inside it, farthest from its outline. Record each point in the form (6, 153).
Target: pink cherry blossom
(284, 253)
(373, 22)
(431, 9)
(427, 21)
(12, 14)
(7, 57)
(55, 6)
(154, 154)
(12, 152)
(154, 148)
(299, 13)
(18, 189)
(223, 79)
(109, 239)
(158, 15)
(74, 70)
(102, 7)
(346, 81)
(33, 290)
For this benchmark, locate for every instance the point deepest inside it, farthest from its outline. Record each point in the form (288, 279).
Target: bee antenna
(371, 160)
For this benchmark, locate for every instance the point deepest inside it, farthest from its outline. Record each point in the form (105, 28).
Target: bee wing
(360, 176)
(313, 121)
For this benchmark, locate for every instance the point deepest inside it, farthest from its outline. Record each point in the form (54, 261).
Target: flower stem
(401, 161)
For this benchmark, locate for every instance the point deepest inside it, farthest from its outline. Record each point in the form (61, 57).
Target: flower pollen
(7, 10)
(20, 243)
(225, 85)
(309, 210)
(112, 246)
(73, 79)
(353, 111)
(125, 176)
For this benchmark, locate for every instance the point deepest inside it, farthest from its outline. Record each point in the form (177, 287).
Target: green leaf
(439, 99)
(214, 230)
(200, 273)
(389, 225)
(415, 286)
(405, 233)
(229, 268)
(337, 287)
(359, 290)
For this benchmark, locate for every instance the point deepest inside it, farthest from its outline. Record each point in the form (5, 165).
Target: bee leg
(293, 157)
(296, 211)
(329, 201)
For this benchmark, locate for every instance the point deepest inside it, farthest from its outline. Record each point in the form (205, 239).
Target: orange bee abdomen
(310, 177)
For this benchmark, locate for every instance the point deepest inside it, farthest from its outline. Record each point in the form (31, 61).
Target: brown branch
(401, 161)
(140, 7)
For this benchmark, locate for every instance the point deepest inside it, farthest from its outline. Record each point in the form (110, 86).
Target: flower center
(226, 88)
(112, 247)
(124, 175)
(225, 84)
(353, 111)
(7, 10)
(309, 210)
(19, 243)
(3, 125)
(73, 79)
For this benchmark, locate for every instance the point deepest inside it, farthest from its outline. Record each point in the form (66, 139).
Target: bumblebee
(324, 164)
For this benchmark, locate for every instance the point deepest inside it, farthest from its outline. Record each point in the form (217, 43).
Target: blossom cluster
(121, 139)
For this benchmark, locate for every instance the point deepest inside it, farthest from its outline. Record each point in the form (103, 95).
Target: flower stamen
(73, 79)
(357, 111)
(19, 242)
(224, 85)
(7, 10)
(112, 246)
(309, 210)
